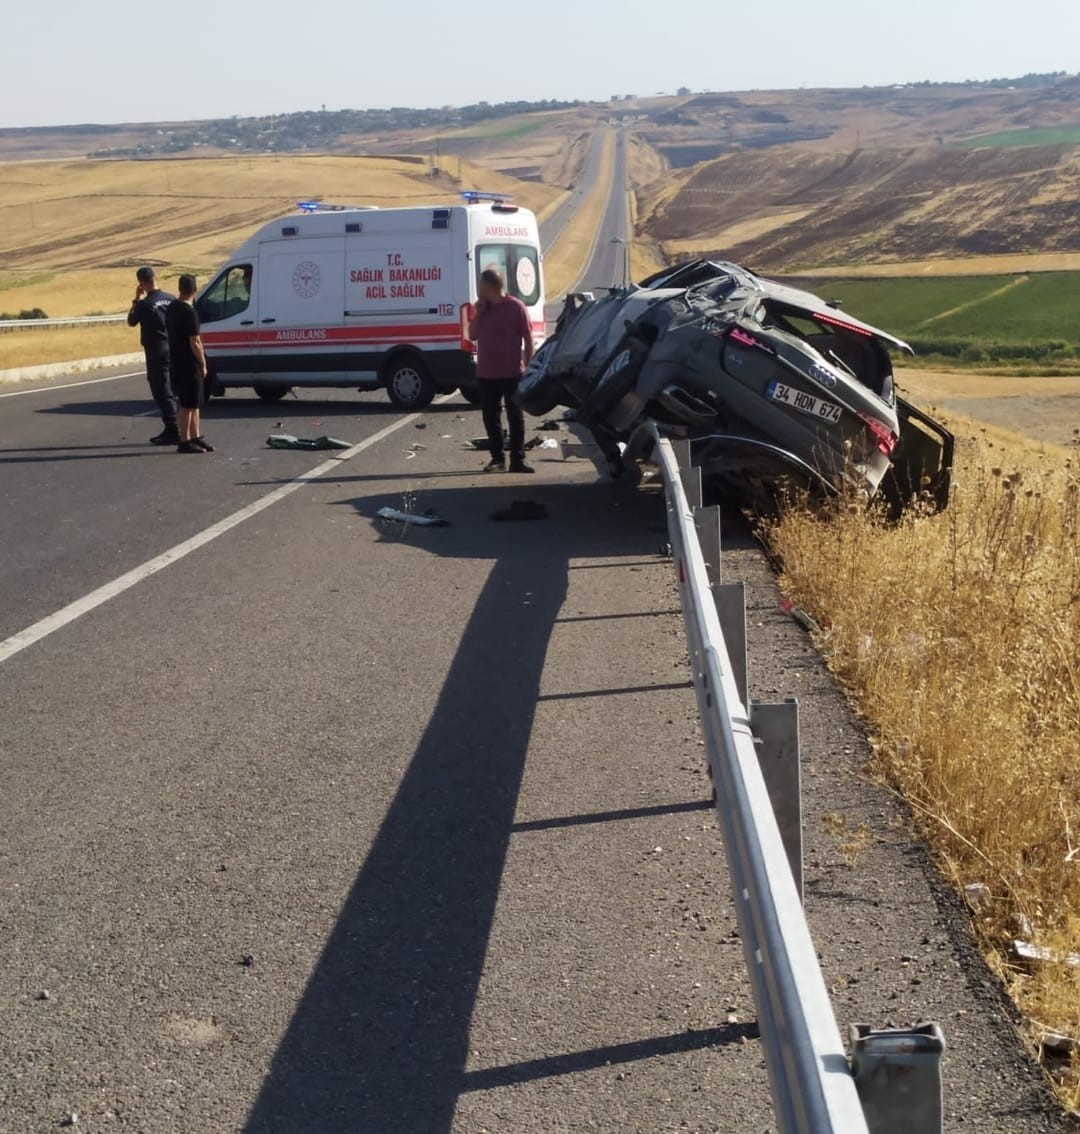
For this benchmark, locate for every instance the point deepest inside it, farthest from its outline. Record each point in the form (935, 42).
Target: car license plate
(805, 403)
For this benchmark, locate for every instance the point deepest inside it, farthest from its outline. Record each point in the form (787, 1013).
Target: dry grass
(959, 637)
(65, 344)
(72, 232)
(570, 255)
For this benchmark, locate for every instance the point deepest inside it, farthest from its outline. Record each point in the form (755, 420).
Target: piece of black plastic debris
(288, 441)
(246, 961)
(521, 510)
(421, 425)
(70, 1119)
(552, 425)
(44, 994)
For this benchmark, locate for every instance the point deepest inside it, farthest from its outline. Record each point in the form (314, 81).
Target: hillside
(800, 179)
(791, 208)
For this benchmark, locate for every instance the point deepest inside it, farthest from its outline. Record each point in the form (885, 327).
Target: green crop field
(973, 318)
(1037, 136)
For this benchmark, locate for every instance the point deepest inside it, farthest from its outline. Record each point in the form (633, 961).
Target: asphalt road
(331, 825)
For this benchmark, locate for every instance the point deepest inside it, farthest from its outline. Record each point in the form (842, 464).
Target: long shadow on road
(379, 1041)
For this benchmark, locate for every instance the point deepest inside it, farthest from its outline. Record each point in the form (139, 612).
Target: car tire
(270, 393)
(409, 384)
(471, 394)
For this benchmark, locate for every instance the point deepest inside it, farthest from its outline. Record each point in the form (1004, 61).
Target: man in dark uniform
(187, 361)
(148, 314)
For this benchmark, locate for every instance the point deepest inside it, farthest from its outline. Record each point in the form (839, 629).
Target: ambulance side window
(228, 295)
(519, 266)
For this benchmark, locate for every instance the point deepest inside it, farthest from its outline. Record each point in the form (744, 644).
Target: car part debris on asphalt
(288, 441)
(427, 520)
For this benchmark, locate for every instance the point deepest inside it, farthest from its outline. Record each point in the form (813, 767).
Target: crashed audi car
(776, 389)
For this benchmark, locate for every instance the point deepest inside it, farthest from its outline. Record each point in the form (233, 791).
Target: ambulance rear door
(508, 244)
(301, 290)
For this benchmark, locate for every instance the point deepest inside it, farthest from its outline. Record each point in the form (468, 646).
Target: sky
(109, 61)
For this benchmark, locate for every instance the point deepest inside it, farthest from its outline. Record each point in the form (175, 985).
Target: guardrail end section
(898, 1077)
(776, 738)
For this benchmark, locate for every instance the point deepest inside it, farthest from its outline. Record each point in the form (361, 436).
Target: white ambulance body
(366, 298)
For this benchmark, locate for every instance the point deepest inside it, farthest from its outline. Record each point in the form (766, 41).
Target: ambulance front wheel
(409, 383)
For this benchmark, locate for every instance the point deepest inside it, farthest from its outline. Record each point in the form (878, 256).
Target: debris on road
(521, 510)
(288, 441)
(806, 621)
(1039, 954)
(427, 520)
(977, 894)
(247, 960)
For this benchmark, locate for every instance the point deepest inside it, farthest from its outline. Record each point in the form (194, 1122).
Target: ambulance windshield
(519, 266)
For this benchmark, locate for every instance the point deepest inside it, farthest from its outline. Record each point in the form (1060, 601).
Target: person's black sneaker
(203, 444)
(189, 447)
(521, 467)
(496, 464)
(166, 437)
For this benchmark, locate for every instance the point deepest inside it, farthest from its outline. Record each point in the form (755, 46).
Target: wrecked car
(776, 390)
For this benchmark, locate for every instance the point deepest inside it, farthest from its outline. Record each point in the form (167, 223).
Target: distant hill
(910, 173)
(321, 131)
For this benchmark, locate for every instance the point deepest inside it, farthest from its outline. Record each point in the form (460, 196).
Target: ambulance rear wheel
(271, 393)
(409, 383)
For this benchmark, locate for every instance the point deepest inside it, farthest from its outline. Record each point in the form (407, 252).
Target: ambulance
(367, 298)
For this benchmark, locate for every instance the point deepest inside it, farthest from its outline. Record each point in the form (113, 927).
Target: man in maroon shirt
(504, 345)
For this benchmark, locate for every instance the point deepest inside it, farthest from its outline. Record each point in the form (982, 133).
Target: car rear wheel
(409, 384)
(471, 394)
(271, 393)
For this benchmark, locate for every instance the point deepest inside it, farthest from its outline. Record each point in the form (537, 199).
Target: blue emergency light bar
(474, 195)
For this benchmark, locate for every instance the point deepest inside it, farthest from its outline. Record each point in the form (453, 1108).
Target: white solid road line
(72, 385)
(53, 622)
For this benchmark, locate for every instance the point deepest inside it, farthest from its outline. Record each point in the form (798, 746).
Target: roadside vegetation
(958, 637)
(1028, 321)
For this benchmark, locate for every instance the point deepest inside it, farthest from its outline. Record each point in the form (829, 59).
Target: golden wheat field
(958, 637)
(73, 231)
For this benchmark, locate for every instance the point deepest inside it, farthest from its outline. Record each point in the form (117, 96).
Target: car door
(228, 314)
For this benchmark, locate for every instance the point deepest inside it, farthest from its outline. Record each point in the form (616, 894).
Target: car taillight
(886, 439)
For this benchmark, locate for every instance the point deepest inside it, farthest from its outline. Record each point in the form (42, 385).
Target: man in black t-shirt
(148, 314)
(188, 365)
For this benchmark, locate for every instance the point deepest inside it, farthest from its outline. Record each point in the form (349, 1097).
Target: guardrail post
(776, 738)
(707, 522)
(691, 482)
(898, 1077)
(730, 602)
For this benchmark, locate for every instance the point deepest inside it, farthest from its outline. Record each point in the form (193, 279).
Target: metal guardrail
(46, 324)
(754, 762)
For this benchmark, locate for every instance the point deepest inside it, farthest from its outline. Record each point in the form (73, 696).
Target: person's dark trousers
(494, 394)
(157, 374)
